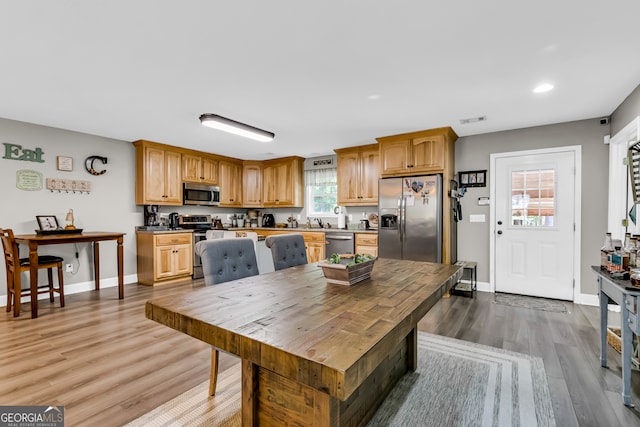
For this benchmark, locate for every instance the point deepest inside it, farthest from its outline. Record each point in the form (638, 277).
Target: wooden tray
(61, 231)
(343, 274)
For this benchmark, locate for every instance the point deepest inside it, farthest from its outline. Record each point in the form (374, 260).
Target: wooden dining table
(313, 353)
(35, 240)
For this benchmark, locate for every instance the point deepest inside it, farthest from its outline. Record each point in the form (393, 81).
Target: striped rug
(457, 383)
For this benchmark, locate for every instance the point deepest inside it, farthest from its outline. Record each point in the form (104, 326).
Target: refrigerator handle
(401, 228)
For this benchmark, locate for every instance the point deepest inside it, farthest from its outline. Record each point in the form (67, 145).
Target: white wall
(109, 207)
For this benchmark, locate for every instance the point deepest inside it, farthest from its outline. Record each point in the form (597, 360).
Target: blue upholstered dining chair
(287, 250)
(224, 260)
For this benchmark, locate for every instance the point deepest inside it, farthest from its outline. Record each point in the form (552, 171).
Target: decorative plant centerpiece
(347, 269)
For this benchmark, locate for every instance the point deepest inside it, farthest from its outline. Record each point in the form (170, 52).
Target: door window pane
(533, 198)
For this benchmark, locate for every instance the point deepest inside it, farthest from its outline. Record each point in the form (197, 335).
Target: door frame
(577, 155)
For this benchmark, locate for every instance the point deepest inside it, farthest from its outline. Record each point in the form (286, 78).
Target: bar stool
(16, 265)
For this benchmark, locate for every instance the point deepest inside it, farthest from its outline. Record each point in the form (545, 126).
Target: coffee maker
(151, 216)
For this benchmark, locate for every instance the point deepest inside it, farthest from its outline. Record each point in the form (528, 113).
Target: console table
(35, 240)
(620, 292)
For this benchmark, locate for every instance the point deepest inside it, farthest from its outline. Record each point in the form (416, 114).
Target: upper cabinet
(158, 177)
(358, 173)
(429, 151)
(252, 184)
(230, 183)
(282, 182)
(201, 169)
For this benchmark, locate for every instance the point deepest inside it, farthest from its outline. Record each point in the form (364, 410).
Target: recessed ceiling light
(374, 97)
(545, 87)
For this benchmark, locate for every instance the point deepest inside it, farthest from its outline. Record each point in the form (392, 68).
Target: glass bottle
(633, 251)
(605, 252)
(627, 249)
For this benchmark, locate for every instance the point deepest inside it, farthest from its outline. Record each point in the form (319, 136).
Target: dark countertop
(312, 229)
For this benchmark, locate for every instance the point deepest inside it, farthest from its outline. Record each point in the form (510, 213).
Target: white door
(534, 224)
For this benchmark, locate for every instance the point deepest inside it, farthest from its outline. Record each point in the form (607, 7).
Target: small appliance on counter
(151, 216)
(268, 220)
(173, 220)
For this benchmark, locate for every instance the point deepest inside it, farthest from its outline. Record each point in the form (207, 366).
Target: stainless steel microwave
(200, 194)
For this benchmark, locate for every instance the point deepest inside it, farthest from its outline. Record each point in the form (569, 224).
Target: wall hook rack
(68, 186)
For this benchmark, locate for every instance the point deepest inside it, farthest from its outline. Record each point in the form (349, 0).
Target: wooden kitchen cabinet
(417, 152)
(252, 184)
(164, 257)
(367, 243)
(282, 183)
(358, 173)
(423, 153)
(230, 183)
(158, 174)
(200, 169)
(314, 242)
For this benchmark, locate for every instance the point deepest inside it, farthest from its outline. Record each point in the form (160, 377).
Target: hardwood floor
(583, 393)
(107, 364)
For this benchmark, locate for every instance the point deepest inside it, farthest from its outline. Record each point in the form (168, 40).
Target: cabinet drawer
(313, 237)
(173, 239)
(363, 239)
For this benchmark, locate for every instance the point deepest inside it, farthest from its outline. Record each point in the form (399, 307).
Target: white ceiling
(307, 71)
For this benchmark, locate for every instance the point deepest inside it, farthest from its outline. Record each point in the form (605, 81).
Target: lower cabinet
(164, 258)
(367, 244)
(313, 242)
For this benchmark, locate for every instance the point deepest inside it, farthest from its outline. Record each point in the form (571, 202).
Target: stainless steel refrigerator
(410, 218)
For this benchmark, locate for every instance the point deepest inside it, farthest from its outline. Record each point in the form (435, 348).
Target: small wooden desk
(313, 353)
(34, 240)
(627, 298)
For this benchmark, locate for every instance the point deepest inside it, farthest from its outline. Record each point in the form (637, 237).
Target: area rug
(457, 383)
(534, 303)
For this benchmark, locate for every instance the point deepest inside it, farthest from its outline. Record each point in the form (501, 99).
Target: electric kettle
(268, 220)
(173, 220)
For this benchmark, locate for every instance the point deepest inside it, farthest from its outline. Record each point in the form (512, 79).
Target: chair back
(224, 260)
(10, 248)
(287, 250)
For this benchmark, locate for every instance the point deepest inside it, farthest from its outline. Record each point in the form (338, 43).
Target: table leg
(120, 269)
(96, 264)
(604, 300)
(249, 393)
(627, 349)
(33, 280)
(412, 349)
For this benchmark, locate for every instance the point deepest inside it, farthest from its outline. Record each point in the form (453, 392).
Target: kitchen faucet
(319, 222)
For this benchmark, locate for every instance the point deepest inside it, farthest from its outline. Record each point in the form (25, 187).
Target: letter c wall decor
(88, 164)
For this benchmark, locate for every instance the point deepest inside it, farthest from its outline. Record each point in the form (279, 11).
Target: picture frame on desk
(47, 222)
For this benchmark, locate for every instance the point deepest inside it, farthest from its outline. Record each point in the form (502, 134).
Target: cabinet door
(252, 185)
(163, 265)
(277, 184)
(315, 252)
(191, 166)
(269, 185)
(427, 154)
(395, 156)
(154, 175)
(230, 184)
(173, 181)
(183, 259)
(209, 170)
(348, 178)
(370, 173)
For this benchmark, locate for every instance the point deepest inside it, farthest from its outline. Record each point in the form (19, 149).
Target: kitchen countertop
(312, 229)
(163, 231)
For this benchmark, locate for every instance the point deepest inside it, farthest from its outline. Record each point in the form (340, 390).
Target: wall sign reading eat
(16, 152)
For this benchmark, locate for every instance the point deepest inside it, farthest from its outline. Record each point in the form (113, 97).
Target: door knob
(499, 231)
(499, 222)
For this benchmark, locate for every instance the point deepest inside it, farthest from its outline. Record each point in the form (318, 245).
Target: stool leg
(9, 290)
(17, 294)
(50, 277)
(60, 285)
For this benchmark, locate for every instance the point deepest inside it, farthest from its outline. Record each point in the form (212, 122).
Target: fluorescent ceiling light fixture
(545, 87)
(222, 123)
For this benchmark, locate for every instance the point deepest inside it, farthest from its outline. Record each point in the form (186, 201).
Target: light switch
(476, 218)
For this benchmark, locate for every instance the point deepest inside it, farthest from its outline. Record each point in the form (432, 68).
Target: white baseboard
(75, 288)
(582, 299)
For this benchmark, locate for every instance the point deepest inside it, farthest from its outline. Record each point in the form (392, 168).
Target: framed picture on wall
(473, 178)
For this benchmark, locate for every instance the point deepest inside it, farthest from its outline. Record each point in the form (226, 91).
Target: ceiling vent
(473, 120)
(324, 162)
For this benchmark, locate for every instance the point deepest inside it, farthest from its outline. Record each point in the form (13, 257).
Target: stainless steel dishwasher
(339, 243)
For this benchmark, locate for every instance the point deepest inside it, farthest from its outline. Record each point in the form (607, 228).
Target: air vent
(473, 120)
